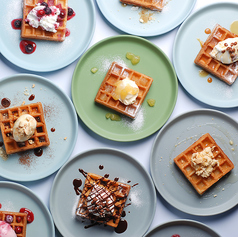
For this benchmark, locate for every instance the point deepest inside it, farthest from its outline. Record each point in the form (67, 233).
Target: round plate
(15, 196)
(183, 228)
(153, 63)
(128, 20)
(186, 47)
(59, 114)
(63, 200)
(47, 53)
(176, 137)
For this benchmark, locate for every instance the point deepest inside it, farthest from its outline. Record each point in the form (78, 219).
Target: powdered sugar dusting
(135, 196)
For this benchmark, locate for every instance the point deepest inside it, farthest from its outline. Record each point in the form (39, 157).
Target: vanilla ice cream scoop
(24, 128)
(226, 51)
(6, 230)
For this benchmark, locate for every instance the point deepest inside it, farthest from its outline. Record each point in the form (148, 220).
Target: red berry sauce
(67, 32)
(175, 235)
(16, 24)
(30, 215)
(71, 13)
(27, 46)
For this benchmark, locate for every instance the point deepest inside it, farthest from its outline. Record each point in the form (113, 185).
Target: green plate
(153, 62)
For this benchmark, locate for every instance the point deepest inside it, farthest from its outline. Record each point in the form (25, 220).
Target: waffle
(199, 183)
(19, 220)
(226, 72)
(9, 116)
(29, 32)
(151, 4)
(118, 193)
(118, 72)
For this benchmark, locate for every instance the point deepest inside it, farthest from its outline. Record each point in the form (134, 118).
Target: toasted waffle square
(118, 72)
(19, 220)
(102, 200)
(30, 32)
(151, 4)
(183, 161)
(10, 115)
(226, 72)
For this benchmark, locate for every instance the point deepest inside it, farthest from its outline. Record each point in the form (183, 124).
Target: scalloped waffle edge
(10, 115)
(118, 72)
(15, 224)
(183, 161)
(30, 32)
(226, 72)
(151, 4)
(120, 192)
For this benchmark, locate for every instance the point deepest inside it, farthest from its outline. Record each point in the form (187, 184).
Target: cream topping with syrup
(203, 162)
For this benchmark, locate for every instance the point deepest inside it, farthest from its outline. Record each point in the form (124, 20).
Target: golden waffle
(199, 183)
(19, 220)
(30, 32)
(118, 191)
(9, 116)
(226, 72)
(151, 4)
(118, 72)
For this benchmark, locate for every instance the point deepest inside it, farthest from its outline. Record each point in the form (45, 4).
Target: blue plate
(186, 47)
(15, 196)
(128, 20)
(48, 56)
(59, 114)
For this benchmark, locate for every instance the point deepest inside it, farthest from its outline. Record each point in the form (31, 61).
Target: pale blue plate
(127, 20)
(141, 199)
(59, 114)
(186, 48)
(15, 196)
(48, 56)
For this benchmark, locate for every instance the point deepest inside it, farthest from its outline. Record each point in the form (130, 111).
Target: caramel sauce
(201, 42)
(209, 80)
(145, 16)
(208, 31)
(234, 27)
(203, 73)
(123, 4)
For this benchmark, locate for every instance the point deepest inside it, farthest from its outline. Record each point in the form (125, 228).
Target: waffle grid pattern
(30, 32)
(118, 72)
(9, 116)
(151, 4)
(199, 183)
(15, 224)
(226, 72)
(119, 192)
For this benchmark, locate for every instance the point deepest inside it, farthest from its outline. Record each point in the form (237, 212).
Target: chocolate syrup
(122, 226)
(38, 151)
(1, 144)
(77, 183)
(123, 214)
(5, 102)
(106, 176)
(84, 173)
(134, 185)
(101, 167)
(116, 179)
(32, 97)
(52, 129)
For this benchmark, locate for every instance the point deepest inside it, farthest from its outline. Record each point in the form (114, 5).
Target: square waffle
(183, 161)
(30, 32)
(19, 220)
(117, 192)
(118, 72)
(226, 72)
(10, 115)
(151, 4)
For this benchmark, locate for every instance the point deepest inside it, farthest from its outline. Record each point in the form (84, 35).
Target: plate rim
(30, 193)
(82, 155)
(152, 172)
(183, 25)
(175, 83)
(146, 35)
(75, 118)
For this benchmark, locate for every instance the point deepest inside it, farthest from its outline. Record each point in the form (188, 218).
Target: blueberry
(70, 11)
(44, 4)
(29, 48)
(9, 219)
(17, 23)
(47, 10)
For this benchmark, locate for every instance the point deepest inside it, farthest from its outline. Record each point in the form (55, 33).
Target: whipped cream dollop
(6, 230)
(126, 91)
(24, 128)
(38, 17)
(226, 51)
(204, 162)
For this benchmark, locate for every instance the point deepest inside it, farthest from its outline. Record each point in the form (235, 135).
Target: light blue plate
(183, 228)
(142, 197)
(186, 48)
(15, 196)
(48, 56)
(59, 114)
(127, 20)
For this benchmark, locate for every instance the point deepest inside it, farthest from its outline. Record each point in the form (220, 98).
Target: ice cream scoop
(24, 128)
(6, 230)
